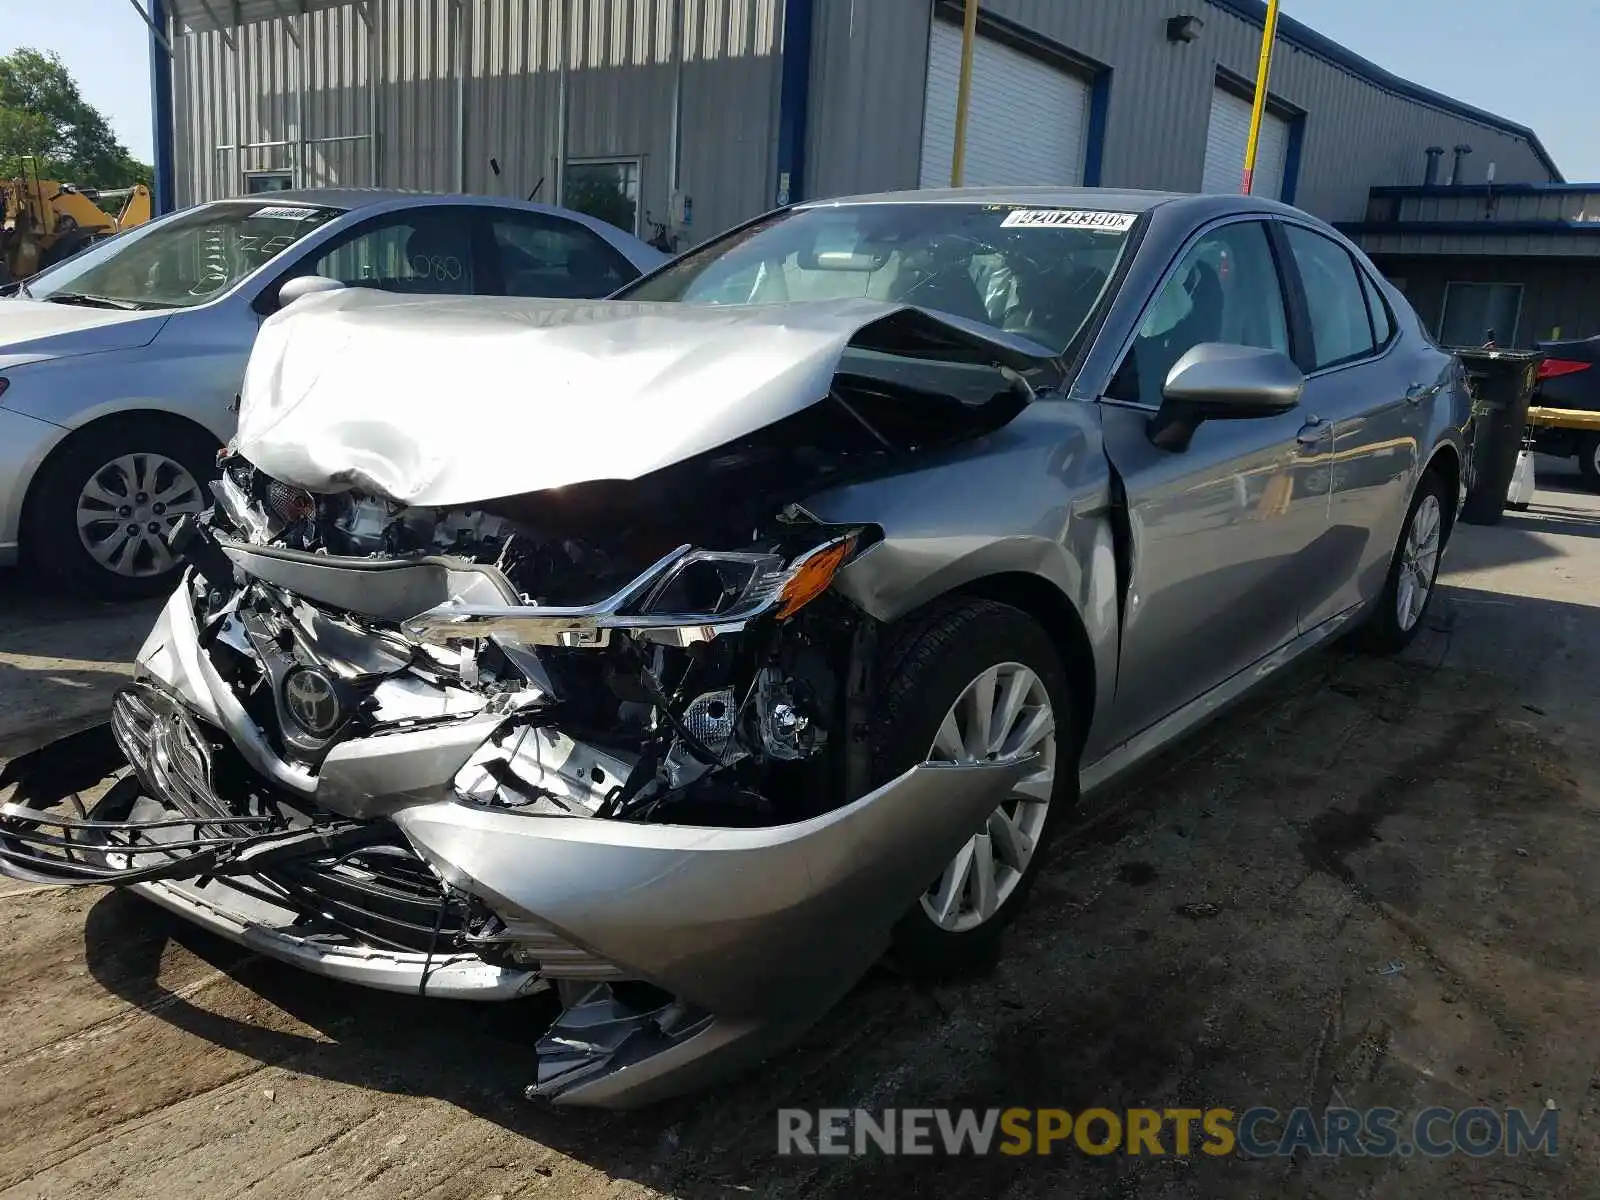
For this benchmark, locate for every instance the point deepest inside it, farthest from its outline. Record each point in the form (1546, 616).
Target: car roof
(357, 197)
(1110, 199)
(1094, 199)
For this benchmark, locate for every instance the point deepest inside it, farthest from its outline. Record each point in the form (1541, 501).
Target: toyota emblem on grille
(311, 700)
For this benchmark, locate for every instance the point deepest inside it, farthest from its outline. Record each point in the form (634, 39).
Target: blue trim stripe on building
(1471, 228)
(794, 98)
(1291, 157)
(164, 197)
(1442, 190)
(1095, 140)
(1309, 39)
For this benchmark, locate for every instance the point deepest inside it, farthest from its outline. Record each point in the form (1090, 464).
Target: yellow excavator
(43, 222)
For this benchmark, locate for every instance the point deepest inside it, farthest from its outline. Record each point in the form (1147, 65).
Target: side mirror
(1218, 381)
(306, 285)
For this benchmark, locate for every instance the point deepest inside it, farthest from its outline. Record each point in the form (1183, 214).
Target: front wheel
(1409, 587)
(978, 681)
(102, 508)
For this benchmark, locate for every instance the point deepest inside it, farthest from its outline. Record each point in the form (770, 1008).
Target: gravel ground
(1372, 885)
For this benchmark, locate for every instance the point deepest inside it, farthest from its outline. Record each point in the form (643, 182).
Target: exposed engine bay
(661, 722)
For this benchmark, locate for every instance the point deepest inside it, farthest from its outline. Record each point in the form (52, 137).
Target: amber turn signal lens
(813, 576)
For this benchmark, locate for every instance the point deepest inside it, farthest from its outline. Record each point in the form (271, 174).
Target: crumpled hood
(31, 330)
(449, 401)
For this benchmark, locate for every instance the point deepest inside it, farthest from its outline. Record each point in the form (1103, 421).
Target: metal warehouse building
(700, 113)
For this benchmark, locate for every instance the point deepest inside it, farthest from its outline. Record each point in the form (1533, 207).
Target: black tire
(49, 523)
(924, 670)
(1589, 460)
(1382, 633)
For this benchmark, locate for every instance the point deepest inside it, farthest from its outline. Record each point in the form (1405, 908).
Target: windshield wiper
(88, 301)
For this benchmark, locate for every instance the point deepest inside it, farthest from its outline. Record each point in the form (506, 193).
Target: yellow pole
(969, 34)
(1269, 33)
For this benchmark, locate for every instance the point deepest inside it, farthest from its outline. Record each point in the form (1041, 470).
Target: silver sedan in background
(120, 368)
(719, 637)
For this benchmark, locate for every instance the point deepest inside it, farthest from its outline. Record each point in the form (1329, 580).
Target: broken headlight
(689, 596)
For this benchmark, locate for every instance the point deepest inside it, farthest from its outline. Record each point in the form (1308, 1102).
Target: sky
(1530, 62)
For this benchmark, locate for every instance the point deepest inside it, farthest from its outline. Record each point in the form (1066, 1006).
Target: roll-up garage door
(1225, 142)
(1027, 121)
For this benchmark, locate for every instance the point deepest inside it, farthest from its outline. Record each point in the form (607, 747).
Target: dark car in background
(1569, 378)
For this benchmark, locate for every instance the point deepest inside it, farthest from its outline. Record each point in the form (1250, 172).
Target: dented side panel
(1032, 499)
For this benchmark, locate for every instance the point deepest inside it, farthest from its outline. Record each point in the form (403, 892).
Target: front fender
(197, 383)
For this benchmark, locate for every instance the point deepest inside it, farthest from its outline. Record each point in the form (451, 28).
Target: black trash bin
(1502, 384)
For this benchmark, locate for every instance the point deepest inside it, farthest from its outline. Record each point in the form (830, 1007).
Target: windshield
(181, 260)
(1033, 271)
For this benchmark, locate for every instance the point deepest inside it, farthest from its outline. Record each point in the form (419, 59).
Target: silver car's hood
(31, 330)
(448, 401)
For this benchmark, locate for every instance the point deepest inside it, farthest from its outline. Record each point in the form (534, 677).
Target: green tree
(43, 114)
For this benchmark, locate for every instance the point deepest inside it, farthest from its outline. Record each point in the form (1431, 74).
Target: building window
(604, 188)
(257, 182)
(1477, 313)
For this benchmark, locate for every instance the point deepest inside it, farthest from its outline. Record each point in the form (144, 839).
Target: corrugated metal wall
(1475, 204)
(1555, 295)
(871, 67)
(620, 73)
(868, 72)
(1488, 244)
(331, 57)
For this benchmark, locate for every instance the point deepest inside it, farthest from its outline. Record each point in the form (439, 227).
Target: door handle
(1314, 432)
(1419, 392)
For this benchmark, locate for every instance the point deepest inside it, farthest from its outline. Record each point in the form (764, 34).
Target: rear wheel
(978, 681)
(103, 506)
(1409, 588)
(1589, 459)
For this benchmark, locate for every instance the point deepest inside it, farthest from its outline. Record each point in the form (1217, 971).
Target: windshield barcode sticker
(1067, 218)
(283, 212)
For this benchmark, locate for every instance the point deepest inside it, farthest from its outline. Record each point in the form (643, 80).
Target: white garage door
(1026, 123)
(1225, 142)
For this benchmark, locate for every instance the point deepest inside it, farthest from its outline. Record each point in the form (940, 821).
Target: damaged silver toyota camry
(688, 652)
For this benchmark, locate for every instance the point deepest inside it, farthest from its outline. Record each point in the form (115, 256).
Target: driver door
(1221, 530)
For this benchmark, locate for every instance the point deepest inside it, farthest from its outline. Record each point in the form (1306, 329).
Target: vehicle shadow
(477, 1057)
(1522, 537)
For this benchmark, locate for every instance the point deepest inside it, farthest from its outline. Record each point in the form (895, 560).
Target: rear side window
(423, 251)
(1341, 330)
(543, 255)
(1382, 322)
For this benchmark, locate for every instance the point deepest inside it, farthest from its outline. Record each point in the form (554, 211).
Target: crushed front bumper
(261, 890)
(680, 952)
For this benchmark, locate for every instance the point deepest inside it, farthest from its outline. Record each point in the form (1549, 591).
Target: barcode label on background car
(284, 212)
(1067, 218)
